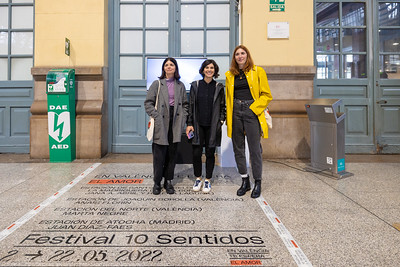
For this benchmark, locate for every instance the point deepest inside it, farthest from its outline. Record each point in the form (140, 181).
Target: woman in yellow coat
(247, 96)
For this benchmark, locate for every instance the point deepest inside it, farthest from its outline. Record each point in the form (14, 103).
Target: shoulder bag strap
(158, 92)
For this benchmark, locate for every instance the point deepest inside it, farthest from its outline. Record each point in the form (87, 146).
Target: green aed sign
(276, 5)
(60, 89)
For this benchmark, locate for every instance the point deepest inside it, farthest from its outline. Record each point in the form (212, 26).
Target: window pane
(131, 16)
(4, 1)
(223, 64)
(389, 66)
(327, 14)
(131, 42)
(3, 17)
(354, 66)
(327, 40)
(156, 16)
(217, 41)
(354, 40)
(192, 16)
(389, 40)
(22, 1)
(157, 42)
(22, 43)
(353, 14)
(192, 42)
(139, 1)
(389, 14)
(217, 15)
(156, 0)
(327, 66)
(130, 68)
(3, 69)
(22, 17)
(21, 68)
(3, 43)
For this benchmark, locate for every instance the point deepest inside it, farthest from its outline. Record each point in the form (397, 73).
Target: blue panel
(131, 92)
(356, 120)
(129, 120)
(390, 91)
(2, 120)
(391, 120)
(340, 165)
(16, 98)
(15, 93)
(342, 91)
(19, 121)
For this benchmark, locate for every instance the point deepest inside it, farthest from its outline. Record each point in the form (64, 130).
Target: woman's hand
(188, 129)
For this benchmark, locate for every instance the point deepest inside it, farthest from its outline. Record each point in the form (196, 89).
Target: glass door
(160, 28)
(16, 84)
(387, 76)
(344, 70)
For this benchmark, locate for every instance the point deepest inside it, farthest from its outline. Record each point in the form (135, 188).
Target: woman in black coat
(206, 116)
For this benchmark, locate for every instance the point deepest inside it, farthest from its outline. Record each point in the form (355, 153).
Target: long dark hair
(234, 68)
(205, 64)
(176, 74)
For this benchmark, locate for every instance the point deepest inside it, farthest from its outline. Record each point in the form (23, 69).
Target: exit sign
(276, 5)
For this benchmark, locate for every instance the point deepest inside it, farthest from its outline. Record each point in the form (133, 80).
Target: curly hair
(206, 63)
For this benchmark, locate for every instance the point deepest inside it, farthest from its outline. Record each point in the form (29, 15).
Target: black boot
(257, 189)
(156, 189)
(244, 187)
(169, 187)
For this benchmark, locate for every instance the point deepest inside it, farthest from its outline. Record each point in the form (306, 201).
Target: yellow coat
(259, 88)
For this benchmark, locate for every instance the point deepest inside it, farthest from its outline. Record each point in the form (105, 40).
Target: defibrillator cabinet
(60, 89)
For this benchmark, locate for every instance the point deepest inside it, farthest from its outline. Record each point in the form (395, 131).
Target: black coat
(218, 114)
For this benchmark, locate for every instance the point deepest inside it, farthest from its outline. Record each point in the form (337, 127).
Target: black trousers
(204, 137)
(245, 123)
(164, 157)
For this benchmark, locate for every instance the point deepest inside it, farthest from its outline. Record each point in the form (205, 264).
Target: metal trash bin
(327, 137)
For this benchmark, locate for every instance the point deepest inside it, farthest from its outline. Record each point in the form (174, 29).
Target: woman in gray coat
(170, 118)
(206, 116)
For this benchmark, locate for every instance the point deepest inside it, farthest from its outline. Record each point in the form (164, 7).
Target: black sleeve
(222, 115)
(189, 120)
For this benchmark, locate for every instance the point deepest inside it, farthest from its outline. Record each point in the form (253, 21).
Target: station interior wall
(288, 63)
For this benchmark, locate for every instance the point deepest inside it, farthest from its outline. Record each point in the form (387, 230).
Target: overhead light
(395, 43)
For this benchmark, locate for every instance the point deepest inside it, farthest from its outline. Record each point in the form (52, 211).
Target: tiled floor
(102, 213)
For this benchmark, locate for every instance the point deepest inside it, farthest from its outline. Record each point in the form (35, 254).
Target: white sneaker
(207, 186)
(197, 185)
